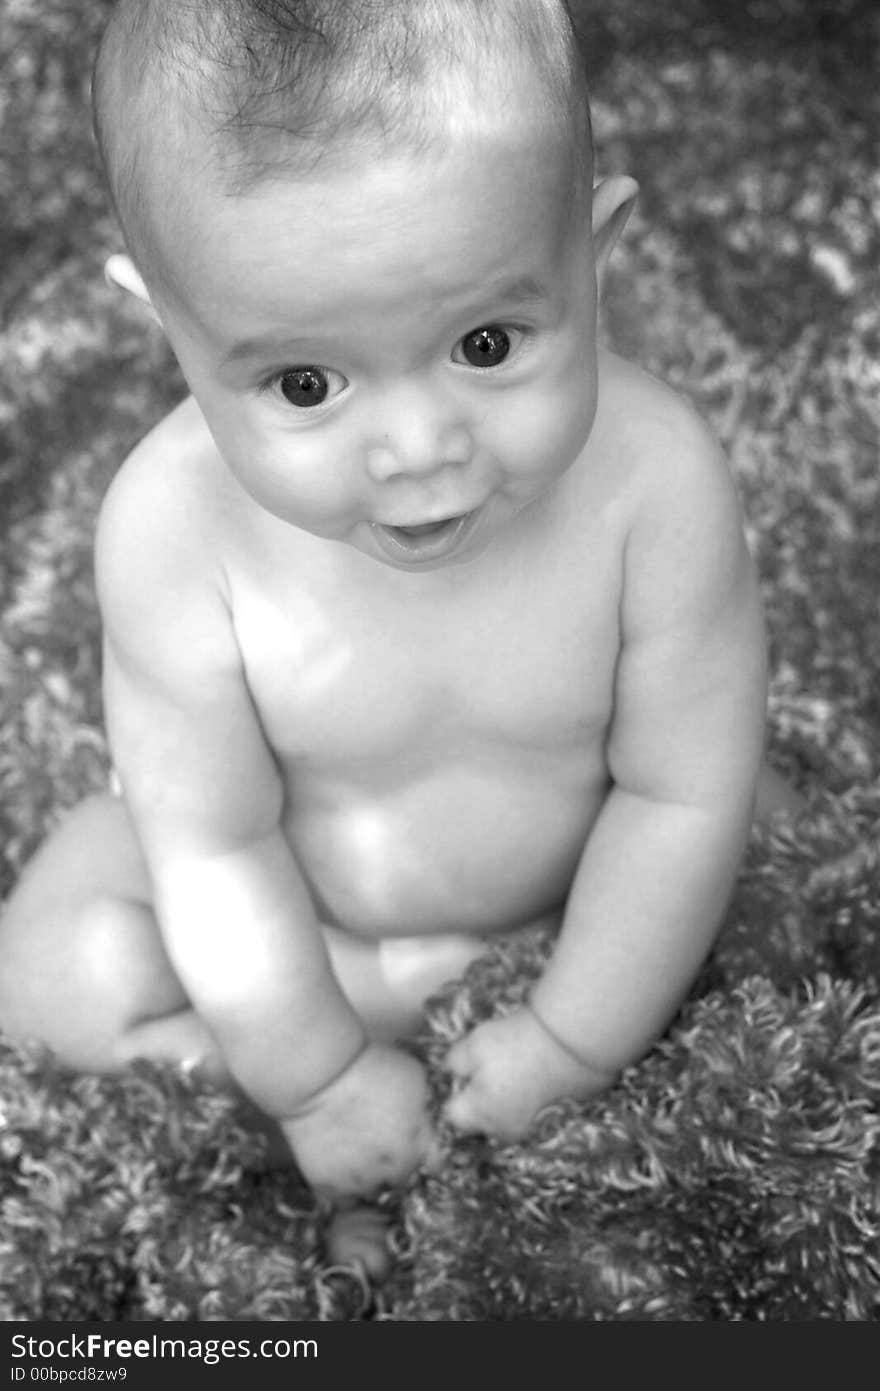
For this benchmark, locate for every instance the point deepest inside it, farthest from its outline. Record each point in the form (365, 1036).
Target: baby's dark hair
(275, 84)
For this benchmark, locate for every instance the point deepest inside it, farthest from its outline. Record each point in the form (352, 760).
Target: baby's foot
(358, 1236)
(415, 968)
(388, 982)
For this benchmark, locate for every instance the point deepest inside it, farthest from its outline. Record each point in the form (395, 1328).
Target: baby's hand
(369, 1127)
(508, 1069)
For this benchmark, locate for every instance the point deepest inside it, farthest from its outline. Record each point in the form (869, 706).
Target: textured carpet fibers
(733, 1173)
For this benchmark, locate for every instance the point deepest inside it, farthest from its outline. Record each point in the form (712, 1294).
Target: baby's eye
(485, 347)
(310, 386)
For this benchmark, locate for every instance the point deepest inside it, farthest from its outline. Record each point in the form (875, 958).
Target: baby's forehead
(207, 235)
(196, 167)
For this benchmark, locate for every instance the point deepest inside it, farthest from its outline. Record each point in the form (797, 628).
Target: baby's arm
(235, 914)
(684, 755)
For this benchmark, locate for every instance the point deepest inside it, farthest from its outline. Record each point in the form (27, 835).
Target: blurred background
(747, 278)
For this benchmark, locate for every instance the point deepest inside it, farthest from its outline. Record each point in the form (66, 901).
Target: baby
(426, 617)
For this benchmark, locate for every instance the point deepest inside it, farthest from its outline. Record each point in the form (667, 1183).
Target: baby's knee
(78, 984)
(110, 945)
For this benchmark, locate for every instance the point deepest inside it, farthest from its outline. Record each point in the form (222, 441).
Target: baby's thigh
(80, 954)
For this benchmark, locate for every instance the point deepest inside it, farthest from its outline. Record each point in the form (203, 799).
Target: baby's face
(400, 357)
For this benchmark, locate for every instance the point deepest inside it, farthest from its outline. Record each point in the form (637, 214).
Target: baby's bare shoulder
(166, 501)
(685, 536)
(665, 453)
(160, 539)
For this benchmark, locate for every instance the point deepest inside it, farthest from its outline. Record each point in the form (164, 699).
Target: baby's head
(366, 227)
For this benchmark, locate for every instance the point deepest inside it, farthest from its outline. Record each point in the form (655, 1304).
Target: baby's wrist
(594, 1070)
(316, 1097)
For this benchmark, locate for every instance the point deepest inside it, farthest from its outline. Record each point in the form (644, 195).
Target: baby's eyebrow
(267, 344)
(520, 289)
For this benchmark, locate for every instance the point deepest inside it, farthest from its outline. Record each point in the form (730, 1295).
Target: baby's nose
(418, 438)
(389, 461)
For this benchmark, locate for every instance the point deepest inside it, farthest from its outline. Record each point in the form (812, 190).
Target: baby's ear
(613, 201)
(121, 271)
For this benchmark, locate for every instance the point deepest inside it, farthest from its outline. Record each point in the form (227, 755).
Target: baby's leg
(82, 966)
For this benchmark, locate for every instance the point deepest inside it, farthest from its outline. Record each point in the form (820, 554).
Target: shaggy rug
(734, 1173)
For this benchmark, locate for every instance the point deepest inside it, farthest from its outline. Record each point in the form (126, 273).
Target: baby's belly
(469, 849)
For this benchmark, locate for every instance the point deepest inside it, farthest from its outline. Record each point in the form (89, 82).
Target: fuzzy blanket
(734, 1173)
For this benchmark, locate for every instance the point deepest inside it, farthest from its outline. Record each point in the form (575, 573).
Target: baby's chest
(375, 682)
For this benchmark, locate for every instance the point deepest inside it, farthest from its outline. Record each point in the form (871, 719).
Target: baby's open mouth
(423, 541)
(425, 528)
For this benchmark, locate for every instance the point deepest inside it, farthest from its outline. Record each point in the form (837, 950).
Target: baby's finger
(462, 1113)
(459, 1060)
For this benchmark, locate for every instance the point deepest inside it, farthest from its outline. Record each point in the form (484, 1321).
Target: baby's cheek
(544, 440)
(294, 481)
